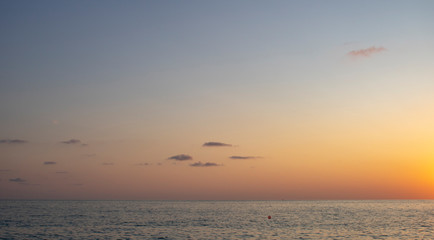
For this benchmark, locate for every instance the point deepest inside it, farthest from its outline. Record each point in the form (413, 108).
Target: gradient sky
(217, 99)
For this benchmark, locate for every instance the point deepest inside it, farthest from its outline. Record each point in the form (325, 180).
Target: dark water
(216, 219)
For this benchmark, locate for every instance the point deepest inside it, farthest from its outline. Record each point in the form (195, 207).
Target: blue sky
(175, 74)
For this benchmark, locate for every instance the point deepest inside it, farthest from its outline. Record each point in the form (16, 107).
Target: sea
(397, 219)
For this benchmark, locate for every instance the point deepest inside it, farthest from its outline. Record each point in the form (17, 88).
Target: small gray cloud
(243, 157)
(74, 142)
(12, 141)
(62, 172)
(17, 180)
(4, 170)
(71, 141)
(143, 164)
(207, 164)
(181, 157)
(49, 163)
(216, 144)
(108, 163)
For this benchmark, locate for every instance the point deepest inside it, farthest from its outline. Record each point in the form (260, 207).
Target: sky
(217, 100)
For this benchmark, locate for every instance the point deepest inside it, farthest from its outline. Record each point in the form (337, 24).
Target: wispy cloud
(74, 142)
(207, 164)
(216, 144)
(181, 157)
(12, 141)
(366, 52)
(108, 163)
(62, 172)
(143, 164)
(49, 163)
(71, 141)
(17, 180)
(4, 170)
(243, 157)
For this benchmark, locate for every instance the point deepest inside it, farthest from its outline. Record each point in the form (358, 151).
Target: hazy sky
(216, 99)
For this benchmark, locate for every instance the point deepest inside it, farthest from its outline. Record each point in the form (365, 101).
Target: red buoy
(269, 217)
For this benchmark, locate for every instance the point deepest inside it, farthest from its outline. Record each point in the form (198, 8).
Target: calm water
(216, 219)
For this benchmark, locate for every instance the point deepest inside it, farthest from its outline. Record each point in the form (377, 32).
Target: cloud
(143, 164)
(18, 180)
(366, 52)
(243, 157)
(207, 164)
(12, 141)
(74, 142)
(216, 144)
(108, 163)
(49, 163)
(4, 170)
(181, 157)
(55, 122)
(62, 172)
(71, 141)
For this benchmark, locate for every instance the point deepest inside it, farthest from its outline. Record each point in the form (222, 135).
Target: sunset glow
(217, 100)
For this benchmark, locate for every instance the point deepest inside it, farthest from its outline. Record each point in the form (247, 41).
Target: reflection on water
(217, 219)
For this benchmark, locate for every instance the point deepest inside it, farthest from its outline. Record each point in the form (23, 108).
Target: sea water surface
(216, 219)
